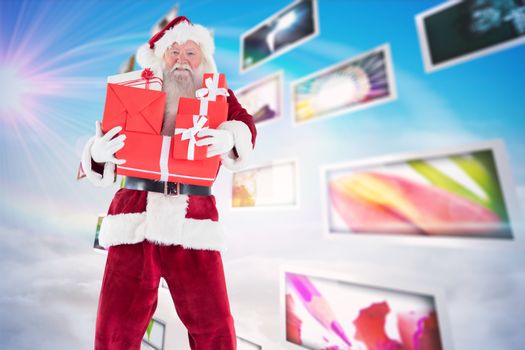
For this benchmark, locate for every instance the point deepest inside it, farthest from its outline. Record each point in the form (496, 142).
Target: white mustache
(181, 66)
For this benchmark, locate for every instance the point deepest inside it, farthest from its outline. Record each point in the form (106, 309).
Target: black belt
(172, 188)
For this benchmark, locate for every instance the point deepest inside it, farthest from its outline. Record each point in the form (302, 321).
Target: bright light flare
(14, 90)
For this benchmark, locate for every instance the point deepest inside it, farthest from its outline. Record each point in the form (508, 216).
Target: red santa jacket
(191, 221)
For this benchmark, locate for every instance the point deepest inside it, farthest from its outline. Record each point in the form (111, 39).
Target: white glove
(219, 141)
(104, 147)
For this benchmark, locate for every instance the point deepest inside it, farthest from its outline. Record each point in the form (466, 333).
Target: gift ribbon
(203, 107)
(212, 89)
(189, 133)
(147, 74)
(147, 77)
(164, 154)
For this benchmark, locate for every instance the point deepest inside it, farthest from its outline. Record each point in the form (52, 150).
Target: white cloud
(49, 291)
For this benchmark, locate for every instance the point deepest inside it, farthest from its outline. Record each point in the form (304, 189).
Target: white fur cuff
(242, 137)
(108, 176)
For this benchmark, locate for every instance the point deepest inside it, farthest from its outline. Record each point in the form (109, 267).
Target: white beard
(178, 83)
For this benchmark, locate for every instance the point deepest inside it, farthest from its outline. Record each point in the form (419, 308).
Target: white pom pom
(146, 58)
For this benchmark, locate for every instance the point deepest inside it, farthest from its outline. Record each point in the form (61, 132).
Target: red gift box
(214, 87)
(217, 112)
(188, 126)
(142, 155)
(147, 156)
(192, 111)
(195, 172)
(194, 114)
(134, 109)
(209, 109)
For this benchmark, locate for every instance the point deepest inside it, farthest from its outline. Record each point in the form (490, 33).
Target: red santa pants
(128, 297)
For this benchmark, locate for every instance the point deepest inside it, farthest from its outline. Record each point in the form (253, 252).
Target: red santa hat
(179, 30)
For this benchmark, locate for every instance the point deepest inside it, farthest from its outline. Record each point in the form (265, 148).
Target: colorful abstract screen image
(263, 99)
(272, 186)
(357, 83)
(458, 195)
(458, 31)
(154, 337)
(279, 33)
(327, 314)
(96, 244)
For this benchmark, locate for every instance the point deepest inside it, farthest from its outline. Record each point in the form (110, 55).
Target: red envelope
(134, 109)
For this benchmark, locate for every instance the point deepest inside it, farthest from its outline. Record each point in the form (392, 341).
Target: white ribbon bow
(189, 133)
(212, 89)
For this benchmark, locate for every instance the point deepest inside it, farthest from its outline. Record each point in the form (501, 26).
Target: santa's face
(188, 53)
(183, 64)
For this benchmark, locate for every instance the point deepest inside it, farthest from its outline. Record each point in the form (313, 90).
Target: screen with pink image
(263, 99)
(328, 314)
(453, 195)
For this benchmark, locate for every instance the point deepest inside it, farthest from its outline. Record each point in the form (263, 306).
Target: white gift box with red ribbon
(147, 78)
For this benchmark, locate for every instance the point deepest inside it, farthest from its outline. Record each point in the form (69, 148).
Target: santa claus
(159, 229)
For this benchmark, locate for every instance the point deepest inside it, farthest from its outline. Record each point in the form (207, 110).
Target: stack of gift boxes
(135, 101)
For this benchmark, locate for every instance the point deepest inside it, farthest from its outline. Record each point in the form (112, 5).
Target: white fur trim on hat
(243, 145)
(183, 32)
(146, 58)
(100, 180)
(180, 33)
(163, 222)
